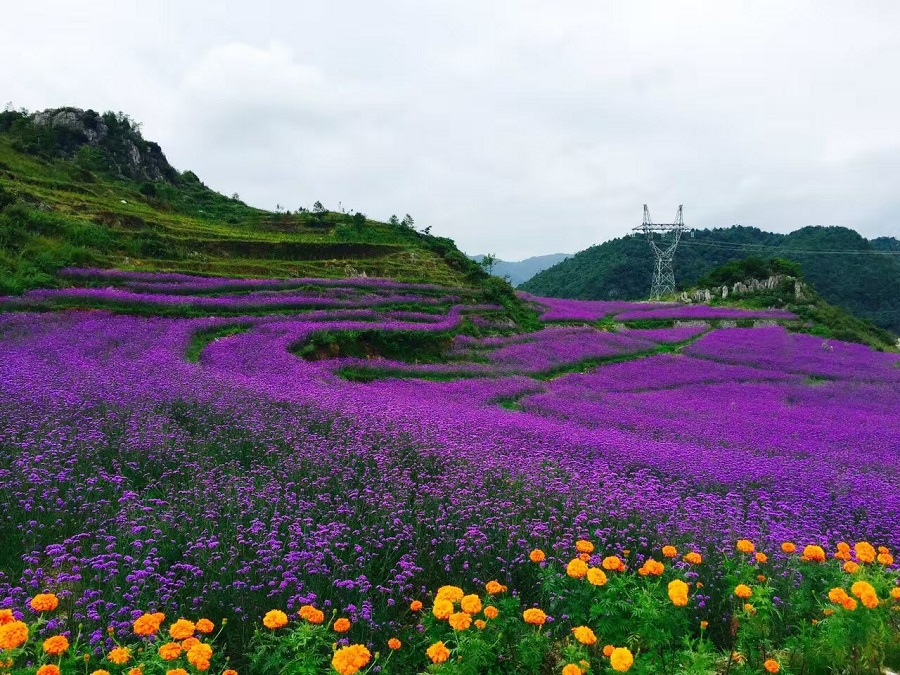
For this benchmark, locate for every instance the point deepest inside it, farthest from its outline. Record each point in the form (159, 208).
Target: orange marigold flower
(106, 672)
(460, 621)
(750, 609)
(828, 611)
(895, 593)
(694, 558)
(190, 642)
(44, 602)
(760, 578)
(771, 665)
(438, 652)
(470, 604)
(848, 603)
(865, 552)
(621, 659)
(576, 568)
(169, 651)
(745, 546)
(6, 616)
(119, 655)
(869, 600)
(813, 553)
(351, 659)
(273, 619)
(884, 549)
(177, 671)
(394, 644)
(762, 558)
(13, 634)
(205, 626)
(584, 557)
(843, 547)
(885, 559)
(584, 546)
(653, 567)
(491, 612)
(669, 551)
(183, 629)
(860, 588)
(596, 576)
(442, 609)
(229, 672)
(199, 655)
(342, 625)
(571, 669)
(584, 635)
(613, 563)
(608, 650)
(56, 645)
(147, 624)
(415, 605)
(837, 595)
(537, 555)
(48, 669)
(743, 591)
(494, 587)
(704, 625)
(451, 593)
(851, 567)
(788, 547)
(678, 592)
(480, 624)
(534, 616)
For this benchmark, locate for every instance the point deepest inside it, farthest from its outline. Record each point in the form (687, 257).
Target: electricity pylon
(663, 274)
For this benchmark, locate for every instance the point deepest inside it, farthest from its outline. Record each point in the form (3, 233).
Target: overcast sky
(518, 128)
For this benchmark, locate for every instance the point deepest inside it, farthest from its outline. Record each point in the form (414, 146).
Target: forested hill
(859, 275)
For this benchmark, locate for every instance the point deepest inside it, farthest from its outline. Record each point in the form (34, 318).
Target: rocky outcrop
(746, 287)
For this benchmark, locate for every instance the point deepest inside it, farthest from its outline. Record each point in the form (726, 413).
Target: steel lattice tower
(663, 274)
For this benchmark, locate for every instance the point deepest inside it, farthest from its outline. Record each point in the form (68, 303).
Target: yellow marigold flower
(694, 558)
(169, 651)
(788, 547)
(743, 591)
(828, 611)
(669, 551)
(865, 552)
(351, 659)
(442, 609)
(48, 669)
(571, 669)
(480, 624)
(438, 652)
(451, 593)
(885, 559)
(608, 650)
(13, 634)
(205, 626)
(491, 612)
(147, 624)
(119, 655)
(183, 628)
(494, 587)
(460, 621)
(771, 665)
(100, 672)
(745, 546)
(621, 659)
(813, 554)
(415, 605)
(342, 625)
(613, 563)
(273, 619)
(584, 546)
(851, 567)
(470, 604)
(626, 552)
(6, 616)
(47, 602)
(576, 568)
(56, 645)
(678, 592)
(584, 635)
(534, 616)
(762, 558)
(394, 644)
(177, 671)
(737, 657)
(704, 625)
(750, 609)
(537, 555)
(596, 576)
(860, 588)
(895, 593)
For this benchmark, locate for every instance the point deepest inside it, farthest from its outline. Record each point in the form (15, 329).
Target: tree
(487, 263)
(318, 208)
(394, 220)
(408, 221)
(236, 197)
(359, 220)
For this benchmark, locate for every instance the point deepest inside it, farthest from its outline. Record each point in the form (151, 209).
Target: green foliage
(410, 346)
(749, 268)
(206, 336)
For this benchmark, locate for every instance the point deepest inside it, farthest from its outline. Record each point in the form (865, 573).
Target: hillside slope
(79, 188)
(520, 271)
(863, 282)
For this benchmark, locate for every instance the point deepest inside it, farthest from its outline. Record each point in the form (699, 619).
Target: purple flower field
(134, 480)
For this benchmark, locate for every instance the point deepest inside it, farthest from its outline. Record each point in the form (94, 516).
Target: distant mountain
(522, 270)
(858, 275)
